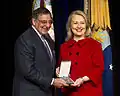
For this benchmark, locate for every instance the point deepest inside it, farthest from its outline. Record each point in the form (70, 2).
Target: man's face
(43, 23)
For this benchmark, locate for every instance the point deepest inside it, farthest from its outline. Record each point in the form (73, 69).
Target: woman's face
(78, 26)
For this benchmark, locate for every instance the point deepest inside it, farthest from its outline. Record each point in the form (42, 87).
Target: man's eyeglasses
(45, 21)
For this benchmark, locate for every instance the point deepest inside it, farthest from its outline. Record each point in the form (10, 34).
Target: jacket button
(70, 53)
(77, 53)
(76, 63)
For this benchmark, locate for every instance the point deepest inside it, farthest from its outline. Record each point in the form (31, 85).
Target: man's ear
(33, 21)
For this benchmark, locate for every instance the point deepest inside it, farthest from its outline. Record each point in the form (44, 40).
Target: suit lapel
(40, 42)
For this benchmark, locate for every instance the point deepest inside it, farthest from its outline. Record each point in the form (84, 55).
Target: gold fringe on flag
(101, 17)
(98, 13)
(107, 17)
(92, 12)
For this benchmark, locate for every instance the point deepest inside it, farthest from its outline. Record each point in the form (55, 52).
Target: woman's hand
(78, 82)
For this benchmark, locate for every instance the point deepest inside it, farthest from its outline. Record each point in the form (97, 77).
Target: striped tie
(48, 48)
(50, 41)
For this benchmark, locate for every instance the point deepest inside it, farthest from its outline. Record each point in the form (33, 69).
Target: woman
(86, 58)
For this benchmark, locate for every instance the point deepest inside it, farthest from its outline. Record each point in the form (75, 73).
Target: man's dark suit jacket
(33, 68)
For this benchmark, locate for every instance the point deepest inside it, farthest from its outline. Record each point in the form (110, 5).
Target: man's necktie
(47, 47)
(50, 41)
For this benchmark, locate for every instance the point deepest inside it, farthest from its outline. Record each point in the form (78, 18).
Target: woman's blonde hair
(68, 25)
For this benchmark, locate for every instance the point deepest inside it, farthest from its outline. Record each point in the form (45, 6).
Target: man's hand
(57, 71)
(59, 83)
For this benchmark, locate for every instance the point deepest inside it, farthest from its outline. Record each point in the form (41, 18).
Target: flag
(103, 37)
(108, 72)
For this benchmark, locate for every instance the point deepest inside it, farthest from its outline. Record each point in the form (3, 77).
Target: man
(34, 59)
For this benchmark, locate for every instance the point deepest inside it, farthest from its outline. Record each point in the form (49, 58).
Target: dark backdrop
(16, 20)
